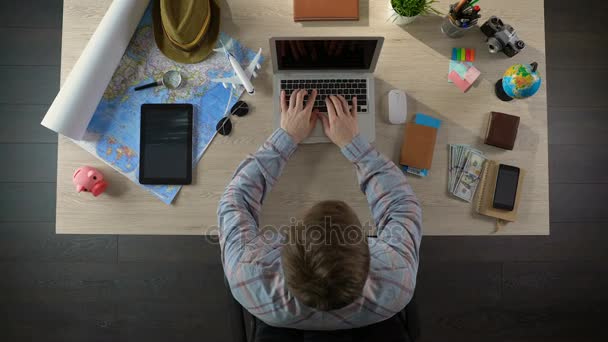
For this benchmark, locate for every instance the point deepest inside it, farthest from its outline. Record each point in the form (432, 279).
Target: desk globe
(519, 82)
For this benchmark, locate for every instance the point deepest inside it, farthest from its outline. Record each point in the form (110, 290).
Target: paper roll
(81, 92)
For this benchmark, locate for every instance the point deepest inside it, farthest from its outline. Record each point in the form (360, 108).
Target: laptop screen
(325, 54)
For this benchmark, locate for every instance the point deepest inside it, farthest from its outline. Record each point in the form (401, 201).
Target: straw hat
(186, 30)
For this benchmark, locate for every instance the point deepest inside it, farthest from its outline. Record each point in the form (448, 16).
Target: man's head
(326, 257)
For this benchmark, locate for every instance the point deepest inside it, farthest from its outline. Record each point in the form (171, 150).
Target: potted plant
(405, 11)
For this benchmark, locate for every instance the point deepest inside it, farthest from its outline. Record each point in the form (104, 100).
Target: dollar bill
(450, 171)
(457, 159)
(464, 169)
(469, 177)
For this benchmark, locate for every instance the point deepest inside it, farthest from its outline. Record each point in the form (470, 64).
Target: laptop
(332, 65)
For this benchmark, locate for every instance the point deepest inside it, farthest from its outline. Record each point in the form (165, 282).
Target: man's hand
(296, 119)
(340, 124)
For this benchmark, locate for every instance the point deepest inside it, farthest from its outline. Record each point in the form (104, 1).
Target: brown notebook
(418, 146)
(485, 193)
(311, 10)
(502, 130)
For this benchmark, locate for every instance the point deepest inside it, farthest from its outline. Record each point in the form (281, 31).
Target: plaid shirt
(253, 264)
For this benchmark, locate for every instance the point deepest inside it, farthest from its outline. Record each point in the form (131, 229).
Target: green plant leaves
(411, 8)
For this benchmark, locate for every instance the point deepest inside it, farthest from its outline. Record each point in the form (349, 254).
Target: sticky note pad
(471, 75)
(425, 120)
(459, 82)
(463, 54)
(460, 68)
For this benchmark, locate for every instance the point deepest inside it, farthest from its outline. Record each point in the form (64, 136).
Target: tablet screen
(166, 144)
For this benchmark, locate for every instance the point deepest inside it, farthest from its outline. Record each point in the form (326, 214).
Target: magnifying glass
(172, 79)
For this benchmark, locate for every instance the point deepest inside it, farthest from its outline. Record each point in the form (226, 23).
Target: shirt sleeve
(241, 203)
(395, 209)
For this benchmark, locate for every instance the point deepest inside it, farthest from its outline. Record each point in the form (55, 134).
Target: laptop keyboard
(348, 88)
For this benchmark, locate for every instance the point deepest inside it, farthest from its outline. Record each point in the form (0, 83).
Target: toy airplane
(242, 76)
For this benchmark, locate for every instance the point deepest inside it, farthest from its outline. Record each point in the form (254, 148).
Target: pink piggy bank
(89, 179)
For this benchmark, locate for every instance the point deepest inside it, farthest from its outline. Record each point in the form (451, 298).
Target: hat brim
(203, 50)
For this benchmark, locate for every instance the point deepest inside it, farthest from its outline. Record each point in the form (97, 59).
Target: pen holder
(451, 28)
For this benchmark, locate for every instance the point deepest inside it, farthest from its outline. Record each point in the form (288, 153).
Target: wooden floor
(157, 288)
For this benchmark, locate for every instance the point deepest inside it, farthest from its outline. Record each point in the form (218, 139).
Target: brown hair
(326, 257)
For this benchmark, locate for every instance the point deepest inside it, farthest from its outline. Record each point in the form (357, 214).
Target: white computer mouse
(397, 107)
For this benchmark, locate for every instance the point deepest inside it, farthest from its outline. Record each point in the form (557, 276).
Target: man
(325, 275)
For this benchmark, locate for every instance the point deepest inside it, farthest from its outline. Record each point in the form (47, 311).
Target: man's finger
(344, 104)
(314, 116)
(284, 106)
(311, 100)
(292, 99)
(337, 105)
(331, 109)
(354, 110)
(300, 102)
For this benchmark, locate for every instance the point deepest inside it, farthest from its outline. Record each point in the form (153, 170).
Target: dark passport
(502, 130)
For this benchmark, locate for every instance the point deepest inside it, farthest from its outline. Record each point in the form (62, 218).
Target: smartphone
(165, 145)
(506, 187)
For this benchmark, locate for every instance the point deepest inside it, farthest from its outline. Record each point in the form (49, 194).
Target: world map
(113, 133)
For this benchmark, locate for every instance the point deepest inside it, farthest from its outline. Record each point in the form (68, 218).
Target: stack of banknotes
(465, 165)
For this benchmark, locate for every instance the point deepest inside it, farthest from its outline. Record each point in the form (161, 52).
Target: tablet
(165, 145)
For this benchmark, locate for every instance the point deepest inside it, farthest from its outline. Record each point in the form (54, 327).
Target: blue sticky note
(425, 120)
(461, 68)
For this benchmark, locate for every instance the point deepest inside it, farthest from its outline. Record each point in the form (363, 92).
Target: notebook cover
(418, 146)
(502, 130)
(485, 193)
(309, 10)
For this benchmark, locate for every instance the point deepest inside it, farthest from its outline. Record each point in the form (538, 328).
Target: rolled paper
(81, 92)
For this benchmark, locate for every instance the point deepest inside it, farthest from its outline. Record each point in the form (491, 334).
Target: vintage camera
(502, 37)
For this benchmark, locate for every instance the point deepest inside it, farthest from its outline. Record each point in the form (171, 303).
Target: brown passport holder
(502, 130)
(311, 10)
(418, 146)
(485, 193)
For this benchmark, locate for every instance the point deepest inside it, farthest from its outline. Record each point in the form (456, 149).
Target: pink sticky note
(459, 82)
(471, 75)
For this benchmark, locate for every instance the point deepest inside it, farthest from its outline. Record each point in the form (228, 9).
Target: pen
(460, 4)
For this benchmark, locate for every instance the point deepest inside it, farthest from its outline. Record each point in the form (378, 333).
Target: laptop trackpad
(318, 130)
(317, 135)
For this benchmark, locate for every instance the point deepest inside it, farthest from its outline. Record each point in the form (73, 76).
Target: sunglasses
(224, 126)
